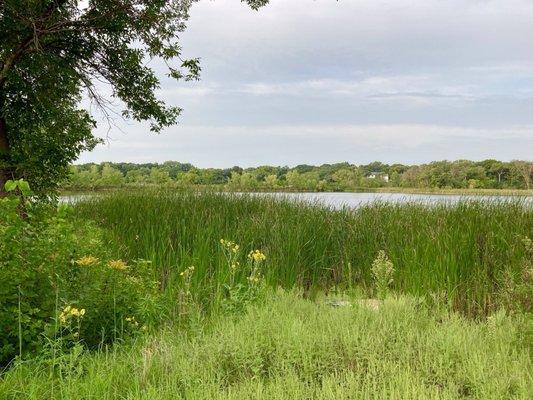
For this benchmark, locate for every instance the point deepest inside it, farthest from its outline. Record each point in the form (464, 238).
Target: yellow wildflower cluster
(86, 261)
(235, 265)
(187, 272)
(132, 321)
(256, 256)
(69, 312)
(232, 246)
(117, 264)
(253, 279)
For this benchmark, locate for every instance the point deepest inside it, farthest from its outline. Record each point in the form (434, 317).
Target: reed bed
(465, 254)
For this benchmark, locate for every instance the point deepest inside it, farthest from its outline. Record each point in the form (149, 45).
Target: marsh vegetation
(168, 294)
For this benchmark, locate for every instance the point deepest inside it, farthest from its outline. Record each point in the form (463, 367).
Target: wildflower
(69, 312)
(232, 246)
(187, 272)
(256, 256)
(132, 321)
(117, 264)
(253, 279)
(86, 261)
(235, 265)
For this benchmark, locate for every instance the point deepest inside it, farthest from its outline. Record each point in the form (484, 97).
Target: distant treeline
(462, 174)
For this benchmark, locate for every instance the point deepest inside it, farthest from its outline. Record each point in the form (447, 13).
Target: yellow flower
(69, 312)
(117, 264)
(235, 265)
(87, 260)
(256, 256)
(234, 247)
(187, 272)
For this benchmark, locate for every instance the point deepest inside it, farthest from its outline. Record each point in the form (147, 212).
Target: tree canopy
(460, 174)
(53, 52)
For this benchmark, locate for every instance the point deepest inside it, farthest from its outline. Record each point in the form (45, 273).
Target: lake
(354, 200)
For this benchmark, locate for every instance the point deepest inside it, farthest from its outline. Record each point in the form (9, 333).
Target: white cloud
(247, 146)
(316, 81)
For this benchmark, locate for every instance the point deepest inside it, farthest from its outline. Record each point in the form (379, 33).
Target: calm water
(339, 200)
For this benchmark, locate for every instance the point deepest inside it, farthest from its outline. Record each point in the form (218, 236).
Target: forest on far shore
(461, 174)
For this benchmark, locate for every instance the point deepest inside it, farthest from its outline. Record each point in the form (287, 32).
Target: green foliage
(288, 348)
(20, 184)
(54, 52)
(488, 174)
(52, 264)
(465, 251)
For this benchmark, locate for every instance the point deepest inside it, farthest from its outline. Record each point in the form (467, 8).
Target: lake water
(354, 200)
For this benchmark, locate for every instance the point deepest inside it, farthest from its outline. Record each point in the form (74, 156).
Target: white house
(376, 175)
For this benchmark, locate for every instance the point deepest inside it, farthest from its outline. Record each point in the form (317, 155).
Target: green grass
(286, 347)
(465, 254)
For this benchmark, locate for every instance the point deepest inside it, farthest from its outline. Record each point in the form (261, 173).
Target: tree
(138, 175)
(159, 176)
(523, 170)
(110, 176)
(54, 51)
(271, 181)
(346, 178)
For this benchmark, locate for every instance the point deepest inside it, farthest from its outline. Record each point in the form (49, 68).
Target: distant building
(378, 175)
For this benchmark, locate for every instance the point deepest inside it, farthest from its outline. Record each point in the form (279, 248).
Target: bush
(57, 280)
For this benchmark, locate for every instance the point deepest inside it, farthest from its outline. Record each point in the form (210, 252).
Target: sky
(324, 81)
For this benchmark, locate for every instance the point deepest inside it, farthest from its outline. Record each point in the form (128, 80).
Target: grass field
(466, 254)
(289, 348)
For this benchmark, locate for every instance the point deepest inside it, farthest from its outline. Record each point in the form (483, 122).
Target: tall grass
(290, 348)
(462, 253)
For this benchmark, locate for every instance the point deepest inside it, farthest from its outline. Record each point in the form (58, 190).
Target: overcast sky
(304, 81)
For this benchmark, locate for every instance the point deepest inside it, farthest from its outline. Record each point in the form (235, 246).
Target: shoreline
(384, 190)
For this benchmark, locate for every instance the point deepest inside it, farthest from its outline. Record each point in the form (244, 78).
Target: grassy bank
(473, 255)
(289, 348)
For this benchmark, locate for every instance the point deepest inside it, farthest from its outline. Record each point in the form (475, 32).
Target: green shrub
(57, 280)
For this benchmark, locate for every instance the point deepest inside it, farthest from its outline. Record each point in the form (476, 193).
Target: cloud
(407, 86)
(248, 146)
(324, 81)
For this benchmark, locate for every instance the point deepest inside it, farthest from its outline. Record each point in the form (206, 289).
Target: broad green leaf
(10, 185)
